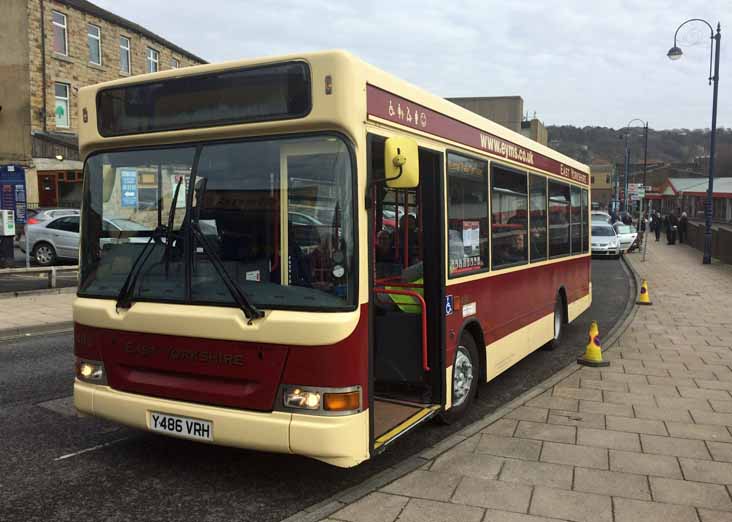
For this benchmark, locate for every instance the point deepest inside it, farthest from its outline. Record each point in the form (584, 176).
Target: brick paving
(19, 315)
(647, 439)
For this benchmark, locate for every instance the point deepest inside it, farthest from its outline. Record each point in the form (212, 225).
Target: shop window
(585, 225)
(576, 219)
(467, 214)
(559, 219)
(509, 210)
(537, 217)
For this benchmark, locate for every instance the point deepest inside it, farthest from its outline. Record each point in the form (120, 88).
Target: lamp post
(627, 159)
(674, 54)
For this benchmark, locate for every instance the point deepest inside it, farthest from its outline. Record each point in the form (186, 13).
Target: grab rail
(423, 305)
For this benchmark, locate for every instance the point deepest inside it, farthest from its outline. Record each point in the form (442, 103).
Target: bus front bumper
(339, 440)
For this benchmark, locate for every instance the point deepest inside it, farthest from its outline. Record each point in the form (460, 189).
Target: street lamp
(627, 159)
(674, 54)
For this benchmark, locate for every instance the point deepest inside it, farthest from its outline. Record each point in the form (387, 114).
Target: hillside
(591, 144)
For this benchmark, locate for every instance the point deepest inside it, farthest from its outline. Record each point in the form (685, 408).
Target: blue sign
(129, 188)
(448, 305)
(12, 191)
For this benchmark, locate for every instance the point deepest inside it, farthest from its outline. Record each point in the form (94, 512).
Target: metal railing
(52, 272)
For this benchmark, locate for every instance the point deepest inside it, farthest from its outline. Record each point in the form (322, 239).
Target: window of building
(174, 63)
(94, 39)
(153, 58)
(607, 178)
(124, 54)
(576, 220)
(467, 214)
(60, 40)
(559, 218)
(592, 180)
(585, 227)
(537, 217)
(61, 109)
(509, 210)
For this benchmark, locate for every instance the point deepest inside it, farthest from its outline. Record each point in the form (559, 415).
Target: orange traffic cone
(593, 352)
(645, 297)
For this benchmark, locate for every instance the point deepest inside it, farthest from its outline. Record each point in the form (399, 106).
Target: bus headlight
(321, 401)
(90, 371)
(305, 399)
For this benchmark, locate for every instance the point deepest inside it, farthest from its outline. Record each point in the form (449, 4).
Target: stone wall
(721, 240)
(15, 142)
(75, 69)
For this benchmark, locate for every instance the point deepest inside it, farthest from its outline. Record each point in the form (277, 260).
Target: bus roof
(359, 70)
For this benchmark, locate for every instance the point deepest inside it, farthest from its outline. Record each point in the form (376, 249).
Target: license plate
(181, 426)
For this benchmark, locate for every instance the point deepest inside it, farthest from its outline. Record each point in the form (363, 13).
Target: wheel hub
(43, 254)
(462, 378)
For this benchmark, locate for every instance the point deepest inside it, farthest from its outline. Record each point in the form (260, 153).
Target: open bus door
(407, 316)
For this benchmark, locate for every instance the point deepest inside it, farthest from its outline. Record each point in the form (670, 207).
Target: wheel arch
(473, 328)
(562, 292)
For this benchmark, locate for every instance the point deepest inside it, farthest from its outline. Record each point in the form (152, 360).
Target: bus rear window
(272, 92)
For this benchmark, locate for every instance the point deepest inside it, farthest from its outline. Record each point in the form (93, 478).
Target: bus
(324, 256)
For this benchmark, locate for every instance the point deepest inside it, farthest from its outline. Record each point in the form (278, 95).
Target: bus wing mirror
(401, 163)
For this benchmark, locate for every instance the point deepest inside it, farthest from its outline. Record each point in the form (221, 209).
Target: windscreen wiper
(250, 311)
(124, 297)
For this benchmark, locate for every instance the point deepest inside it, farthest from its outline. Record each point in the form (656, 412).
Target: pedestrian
(657, 230)
(671, 228)
(683, 223)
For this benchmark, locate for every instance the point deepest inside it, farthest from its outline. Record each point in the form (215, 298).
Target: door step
(392, 420)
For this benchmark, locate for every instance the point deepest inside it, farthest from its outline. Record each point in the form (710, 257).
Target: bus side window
(509, 206)
(537, 217)
(467, 215)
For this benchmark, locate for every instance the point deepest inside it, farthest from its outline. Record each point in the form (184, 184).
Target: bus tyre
(465, 374)
(558, 322)
(44, 254)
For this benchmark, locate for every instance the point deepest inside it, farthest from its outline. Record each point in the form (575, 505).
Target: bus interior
(406, 274)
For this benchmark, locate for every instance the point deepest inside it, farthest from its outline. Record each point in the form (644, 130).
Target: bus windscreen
(271, 92)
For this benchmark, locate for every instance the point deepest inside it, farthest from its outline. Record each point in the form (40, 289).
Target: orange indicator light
(342, 401)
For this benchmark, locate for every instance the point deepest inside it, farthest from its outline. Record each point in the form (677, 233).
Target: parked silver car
(35, 216)
(605, 241)
(58, 238)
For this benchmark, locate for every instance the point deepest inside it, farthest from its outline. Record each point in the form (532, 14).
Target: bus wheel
(559, 322)
(465, 374)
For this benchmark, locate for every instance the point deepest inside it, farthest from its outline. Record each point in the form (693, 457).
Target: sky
(584, 62)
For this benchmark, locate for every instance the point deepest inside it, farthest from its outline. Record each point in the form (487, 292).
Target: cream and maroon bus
(318, 256)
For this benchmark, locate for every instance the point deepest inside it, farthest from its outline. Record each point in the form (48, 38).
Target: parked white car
(598, 216)
(627, 234)
(605, 241)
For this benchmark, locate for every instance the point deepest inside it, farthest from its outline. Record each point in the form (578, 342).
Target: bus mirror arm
(369, 200)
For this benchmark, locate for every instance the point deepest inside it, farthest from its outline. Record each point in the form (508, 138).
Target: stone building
(507, 111)
(48, 50)
(602, 177)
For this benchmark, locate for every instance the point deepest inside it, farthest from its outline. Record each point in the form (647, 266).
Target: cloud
(573, 62)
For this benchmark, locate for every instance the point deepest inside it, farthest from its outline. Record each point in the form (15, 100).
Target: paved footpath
(35, 313)
(647, 439)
